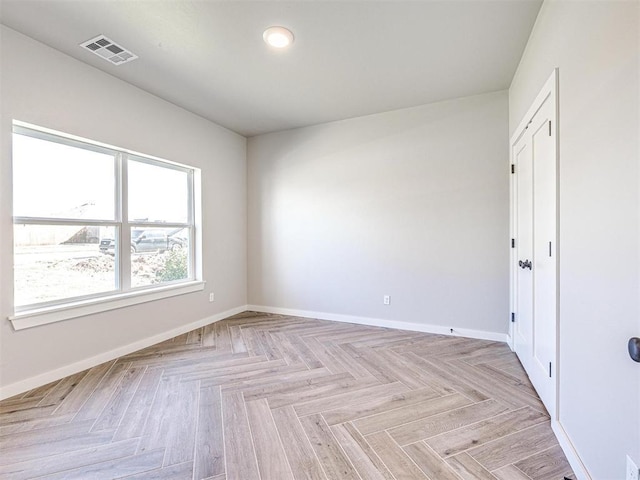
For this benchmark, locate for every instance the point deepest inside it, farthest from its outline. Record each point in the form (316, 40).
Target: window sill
(43, 316)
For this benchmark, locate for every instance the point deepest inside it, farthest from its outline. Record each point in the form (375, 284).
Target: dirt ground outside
(52, 272)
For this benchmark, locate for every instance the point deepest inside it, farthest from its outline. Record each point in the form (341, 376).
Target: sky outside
(56, 180)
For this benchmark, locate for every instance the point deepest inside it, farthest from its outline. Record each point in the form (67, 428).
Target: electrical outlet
(212, 297)
(632, 470)
(386, 299)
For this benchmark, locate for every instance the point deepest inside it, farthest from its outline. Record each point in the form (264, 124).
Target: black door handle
(634, 349)
(525, 264)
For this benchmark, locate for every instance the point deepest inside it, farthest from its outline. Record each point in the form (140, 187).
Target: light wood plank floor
(272, 397)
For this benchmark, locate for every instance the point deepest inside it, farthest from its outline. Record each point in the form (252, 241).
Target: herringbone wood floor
(278, 398)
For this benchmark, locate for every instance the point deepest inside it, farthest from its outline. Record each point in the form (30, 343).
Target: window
(95, 223)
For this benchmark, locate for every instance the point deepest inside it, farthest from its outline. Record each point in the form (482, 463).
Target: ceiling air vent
(109, 50)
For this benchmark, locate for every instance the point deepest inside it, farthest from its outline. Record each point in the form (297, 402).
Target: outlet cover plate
(632, 470)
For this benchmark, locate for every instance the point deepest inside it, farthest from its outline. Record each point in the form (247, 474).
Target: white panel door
(534, 156)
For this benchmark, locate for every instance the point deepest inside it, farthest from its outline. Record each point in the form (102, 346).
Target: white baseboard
(570, 452)
(379, 322)
(61, 372)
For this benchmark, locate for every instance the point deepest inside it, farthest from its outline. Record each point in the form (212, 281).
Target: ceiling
(349, 58)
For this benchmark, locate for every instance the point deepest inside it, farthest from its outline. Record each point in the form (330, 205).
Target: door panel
(524, 221)
(544, 271)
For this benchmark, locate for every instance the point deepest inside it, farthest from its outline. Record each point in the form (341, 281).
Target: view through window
(76, 205)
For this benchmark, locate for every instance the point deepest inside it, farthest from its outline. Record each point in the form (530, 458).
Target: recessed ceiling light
(278, 37)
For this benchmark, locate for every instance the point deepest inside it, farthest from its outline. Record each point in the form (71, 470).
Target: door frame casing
(548, 92)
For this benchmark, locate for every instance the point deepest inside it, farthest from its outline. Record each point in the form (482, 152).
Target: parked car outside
(150, 240)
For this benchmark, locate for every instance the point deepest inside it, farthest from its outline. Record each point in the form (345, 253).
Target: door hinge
(513, 168)
(513, 243)
(513, 317)
(549, 369)
(549, 127)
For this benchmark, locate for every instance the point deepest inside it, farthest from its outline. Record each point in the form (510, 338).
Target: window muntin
(69, 231)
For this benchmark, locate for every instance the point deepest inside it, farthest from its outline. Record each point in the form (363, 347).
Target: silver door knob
(634, 349)
(525, 264)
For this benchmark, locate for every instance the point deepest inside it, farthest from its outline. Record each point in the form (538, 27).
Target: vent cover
(109, 50)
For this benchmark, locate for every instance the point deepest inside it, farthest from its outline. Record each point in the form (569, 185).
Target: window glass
(159, 255)
(157, 193)
(54, 180)
(53, 262)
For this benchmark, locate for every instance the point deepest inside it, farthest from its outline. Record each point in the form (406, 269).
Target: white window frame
(123, 294)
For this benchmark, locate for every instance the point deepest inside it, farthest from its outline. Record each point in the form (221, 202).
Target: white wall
(40, 85)
(411, 203)
(595, 44)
